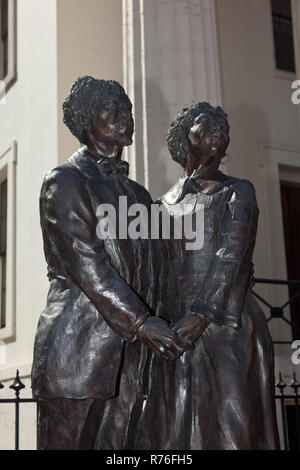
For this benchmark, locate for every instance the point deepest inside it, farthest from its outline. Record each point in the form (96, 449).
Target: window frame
(8, 160)
(279, 72)
(11, 75)
(3, 252)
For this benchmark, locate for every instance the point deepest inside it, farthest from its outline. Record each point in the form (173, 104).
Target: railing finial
(280, 383)
(294, 383)
(17, 384)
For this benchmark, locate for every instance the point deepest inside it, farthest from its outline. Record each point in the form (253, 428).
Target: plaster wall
(89, 40)
(29, 117)
(257, 98)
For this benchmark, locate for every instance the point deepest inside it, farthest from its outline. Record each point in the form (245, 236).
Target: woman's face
(209, 135)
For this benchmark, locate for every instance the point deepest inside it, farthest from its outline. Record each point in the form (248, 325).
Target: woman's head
(202, 129)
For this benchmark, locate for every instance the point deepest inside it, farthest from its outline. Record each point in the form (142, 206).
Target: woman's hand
(161, 339)
(190, 327)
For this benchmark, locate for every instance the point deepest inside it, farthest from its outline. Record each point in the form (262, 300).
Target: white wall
(30, 118)
(257, 99)
(89, 38)
(170, 61)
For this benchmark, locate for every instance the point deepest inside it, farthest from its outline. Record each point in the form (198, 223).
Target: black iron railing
(17, 386)
(289, 407)
(278, 311)
(290, 421)
(289, 402)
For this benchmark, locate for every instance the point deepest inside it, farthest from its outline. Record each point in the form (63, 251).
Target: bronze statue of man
(102, 292)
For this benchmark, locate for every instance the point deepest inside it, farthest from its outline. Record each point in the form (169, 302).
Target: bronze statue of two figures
(144, 342)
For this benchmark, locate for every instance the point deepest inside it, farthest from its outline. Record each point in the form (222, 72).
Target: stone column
(170, 59)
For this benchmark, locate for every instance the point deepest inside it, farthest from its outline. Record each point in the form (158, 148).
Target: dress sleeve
(222, 295)
(69, 219)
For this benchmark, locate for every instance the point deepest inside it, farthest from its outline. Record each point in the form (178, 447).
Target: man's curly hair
(177, 136)
(80, 106)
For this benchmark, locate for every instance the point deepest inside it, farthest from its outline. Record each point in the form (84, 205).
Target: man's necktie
(108, 168)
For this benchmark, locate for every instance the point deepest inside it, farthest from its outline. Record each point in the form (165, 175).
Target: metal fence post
(17, 385)
(295, 385)
(281, 385)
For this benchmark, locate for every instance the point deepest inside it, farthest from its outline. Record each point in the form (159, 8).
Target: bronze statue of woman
(220, 394)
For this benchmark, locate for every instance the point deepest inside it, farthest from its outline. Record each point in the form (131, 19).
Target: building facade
(167, 54)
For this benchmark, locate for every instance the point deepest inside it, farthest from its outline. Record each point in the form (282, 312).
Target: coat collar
(90, 163)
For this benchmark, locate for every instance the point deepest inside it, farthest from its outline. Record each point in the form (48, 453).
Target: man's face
(113, 122)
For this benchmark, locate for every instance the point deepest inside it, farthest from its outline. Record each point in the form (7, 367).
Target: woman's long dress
(220, 394)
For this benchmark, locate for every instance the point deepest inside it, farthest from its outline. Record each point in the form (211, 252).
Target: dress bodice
(221, 247)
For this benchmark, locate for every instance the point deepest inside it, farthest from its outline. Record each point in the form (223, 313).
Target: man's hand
(161, 339)
(190, 327)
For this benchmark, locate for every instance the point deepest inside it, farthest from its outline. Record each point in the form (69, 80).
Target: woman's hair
(80, 106)
(177, 137)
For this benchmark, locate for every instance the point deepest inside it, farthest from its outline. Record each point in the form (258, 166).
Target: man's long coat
(100, 290)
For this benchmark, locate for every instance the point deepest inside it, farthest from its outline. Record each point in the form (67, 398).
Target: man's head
(98, 108)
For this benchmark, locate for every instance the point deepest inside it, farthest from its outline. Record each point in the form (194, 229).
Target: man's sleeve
(222, 295)
(68, 217)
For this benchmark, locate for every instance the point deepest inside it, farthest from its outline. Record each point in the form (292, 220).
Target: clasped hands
(169, 342)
